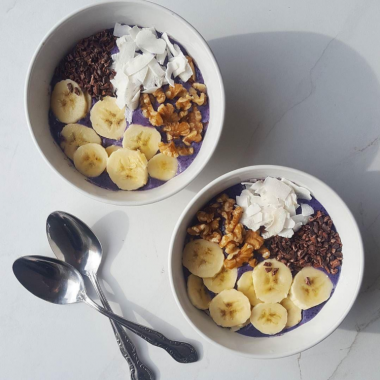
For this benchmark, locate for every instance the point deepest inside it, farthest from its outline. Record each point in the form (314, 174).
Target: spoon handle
(180, 351)
(138, 370)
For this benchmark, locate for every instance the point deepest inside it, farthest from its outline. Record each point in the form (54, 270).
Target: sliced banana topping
(225, 279)
(230, 308)
(245, 285)
(310, 288)
(163, 167)
(68, 102)
(269, 318)
(88, 101)
(145, 139)
(197, 292)
(112, 148)
(203, 258)
(271, 280)
(75, 135)
(108, 119)
(128, 169)
(294, 312)
(90, 159)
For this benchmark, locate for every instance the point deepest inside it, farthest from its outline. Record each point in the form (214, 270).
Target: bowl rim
(221, 179)
(221, 107)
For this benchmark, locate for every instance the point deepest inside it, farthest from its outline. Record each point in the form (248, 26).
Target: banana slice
(68, 102)
(310, 288)
(90, 159)
(88, 101)
(163, 167)
(294, 312)
(75, 135)
(230, 308)
(271, 280)
(269, 318)
(225, 279)
(128, 169)
(197, 293)
(146, 139)
(108, 119)
(238, 327)
(245, 285)
(203, 258)
(112, 148)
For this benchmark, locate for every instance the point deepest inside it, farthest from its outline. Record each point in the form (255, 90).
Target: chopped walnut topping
(176, 130)
(200, 87)
(264, 251)
(253, 263)
(192, 137)
(191, 63)
(237, 243)
(184, 102)
(160, 95)
(185, 150)
(149, 112)
(204, 216)
(198, 99)
(253, 238)
(177, 90)
(168, 113)
(168, 149)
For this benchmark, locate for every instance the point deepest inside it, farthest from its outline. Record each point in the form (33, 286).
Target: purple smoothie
(307, 315)
(184, 162)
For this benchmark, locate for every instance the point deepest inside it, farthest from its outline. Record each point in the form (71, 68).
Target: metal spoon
(74, 242)
(58, 282)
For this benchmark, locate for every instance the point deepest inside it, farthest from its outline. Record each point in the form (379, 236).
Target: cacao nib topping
(314, 244)
(89, 64)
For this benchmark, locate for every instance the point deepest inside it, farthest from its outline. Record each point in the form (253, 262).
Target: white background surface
(302, 84)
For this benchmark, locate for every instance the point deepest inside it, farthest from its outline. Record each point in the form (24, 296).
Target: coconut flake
(120, 30)
(133, 32)
(278, 223)
(277, 188)
(146, 40)
(170, 67)
(286, 233)
(138, 63)
(253, 209)
(301, 192)
(170, 46)
(257, 218)
(306, 210)
(289, 223)
(300, 219)
(128, 115)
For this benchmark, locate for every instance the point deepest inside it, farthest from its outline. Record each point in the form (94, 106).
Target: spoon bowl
(50, 279)
(74, 242)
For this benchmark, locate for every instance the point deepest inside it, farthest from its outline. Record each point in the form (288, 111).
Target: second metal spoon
(74, 242)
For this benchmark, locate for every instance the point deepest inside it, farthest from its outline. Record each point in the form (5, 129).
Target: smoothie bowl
(125, 101)
(266, 261)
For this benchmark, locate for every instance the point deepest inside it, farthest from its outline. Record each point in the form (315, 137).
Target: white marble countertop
(302, 84)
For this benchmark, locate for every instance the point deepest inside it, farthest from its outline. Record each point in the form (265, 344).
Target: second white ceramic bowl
(86, 22)
(308, 334)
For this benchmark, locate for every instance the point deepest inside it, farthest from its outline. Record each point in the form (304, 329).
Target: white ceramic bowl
(92, 19)
(331, 315)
